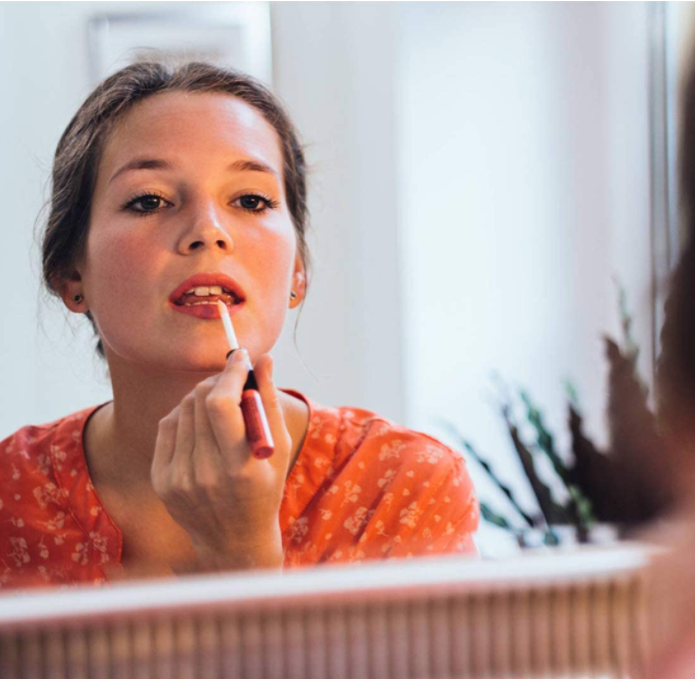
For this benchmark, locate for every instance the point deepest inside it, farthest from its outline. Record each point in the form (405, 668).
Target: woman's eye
(250, 202)
(254, 203)
(150, 202)
(146, 204)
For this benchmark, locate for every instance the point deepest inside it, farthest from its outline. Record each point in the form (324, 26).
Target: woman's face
(189, 183)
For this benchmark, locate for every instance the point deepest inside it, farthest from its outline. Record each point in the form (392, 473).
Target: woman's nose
(205, 230)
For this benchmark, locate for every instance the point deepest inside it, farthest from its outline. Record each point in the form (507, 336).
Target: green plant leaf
(544, 438)
(552, 511)
(551, 538)
(572, 393)
(631, 348)
(491, 516)
(583, 506)
(467, 446)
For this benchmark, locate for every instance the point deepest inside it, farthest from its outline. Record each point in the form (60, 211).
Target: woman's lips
(206, 311)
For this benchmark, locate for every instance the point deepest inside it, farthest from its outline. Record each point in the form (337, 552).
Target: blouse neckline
(86, 507)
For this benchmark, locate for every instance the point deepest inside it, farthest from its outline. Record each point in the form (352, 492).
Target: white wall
(335, 66)
(524, 188)
(43, 74)
(331, 64)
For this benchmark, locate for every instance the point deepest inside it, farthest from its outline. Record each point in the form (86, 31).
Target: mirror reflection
(440, 215)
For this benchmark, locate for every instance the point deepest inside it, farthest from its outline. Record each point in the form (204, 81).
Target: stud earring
(293, 295)
(77, 298)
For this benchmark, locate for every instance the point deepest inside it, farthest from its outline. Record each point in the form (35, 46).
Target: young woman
(173, 189)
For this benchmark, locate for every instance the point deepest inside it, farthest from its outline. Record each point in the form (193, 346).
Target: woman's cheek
(274, 277)
(126, 266)
(271, 274)
(124, 279)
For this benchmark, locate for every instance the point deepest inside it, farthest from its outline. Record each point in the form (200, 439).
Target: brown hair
(80, 148)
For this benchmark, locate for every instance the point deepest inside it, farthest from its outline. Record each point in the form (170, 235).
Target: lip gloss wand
(257, 430)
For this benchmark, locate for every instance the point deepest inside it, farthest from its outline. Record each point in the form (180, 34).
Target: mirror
(481, 193)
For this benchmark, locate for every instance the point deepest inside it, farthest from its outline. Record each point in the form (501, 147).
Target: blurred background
(485, 178)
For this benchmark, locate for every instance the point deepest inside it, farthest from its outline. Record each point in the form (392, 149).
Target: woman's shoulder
(45, 514)
(41, 463)
(369, 487)
(35, 440)
(360, 437)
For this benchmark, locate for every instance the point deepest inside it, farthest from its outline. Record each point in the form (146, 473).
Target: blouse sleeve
(441, 522)
(416, 499)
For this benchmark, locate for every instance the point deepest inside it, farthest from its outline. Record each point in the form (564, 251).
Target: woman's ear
(298, 291)
(72, 293)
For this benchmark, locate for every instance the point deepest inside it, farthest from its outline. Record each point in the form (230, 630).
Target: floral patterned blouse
(361, 488)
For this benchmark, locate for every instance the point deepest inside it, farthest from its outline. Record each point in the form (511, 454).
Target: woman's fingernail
(240, 356)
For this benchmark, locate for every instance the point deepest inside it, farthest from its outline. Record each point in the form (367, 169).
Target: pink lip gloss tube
(257, 429)
(258, 432)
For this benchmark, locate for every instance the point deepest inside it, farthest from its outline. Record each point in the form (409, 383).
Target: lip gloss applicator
(257, 430)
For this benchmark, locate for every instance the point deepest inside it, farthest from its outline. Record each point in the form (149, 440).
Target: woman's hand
(203, 470)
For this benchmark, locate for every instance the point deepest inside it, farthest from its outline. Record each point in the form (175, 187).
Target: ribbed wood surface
(592, 629)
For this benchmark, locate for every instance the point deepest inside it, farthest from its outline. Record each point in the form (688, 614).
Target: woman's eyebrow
(161, 164)
(251, 166)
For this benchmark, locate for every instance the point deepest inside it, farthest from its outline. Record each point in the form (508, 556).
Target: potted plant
(619, 486)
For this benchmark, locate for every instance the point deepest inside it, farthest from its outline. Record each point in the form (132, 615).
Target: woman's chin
(162, 360)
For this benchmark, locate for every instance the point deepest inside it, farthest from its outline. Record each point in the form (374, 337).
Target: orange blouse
(361, 488)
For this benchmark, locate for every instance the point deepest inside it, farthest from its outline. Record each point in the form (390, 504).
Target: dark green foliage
(493, 517)
(544, 439)
(466, 445)
(553, 512)
(627, 485)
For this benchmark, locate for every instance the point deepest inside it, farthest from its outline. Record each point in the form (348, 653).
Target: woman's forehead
(178, 122)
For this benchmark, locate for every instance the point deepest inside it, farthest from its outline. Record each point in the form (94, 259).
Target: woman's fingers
(206, 461)
(165, 446)
(206, 432)
(223, 403)
(204, 471)
(204, 436)
(185, 435)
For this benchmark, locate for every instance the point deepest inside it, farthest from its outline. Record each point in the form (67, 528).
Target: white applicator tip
(228, 327)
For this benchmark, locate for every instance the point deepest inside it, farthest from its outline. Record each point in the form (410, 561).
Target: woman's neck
(120, 438)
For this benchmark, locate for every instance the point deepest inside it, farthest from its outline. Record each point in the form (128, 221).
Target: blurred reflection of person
(673, 577)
